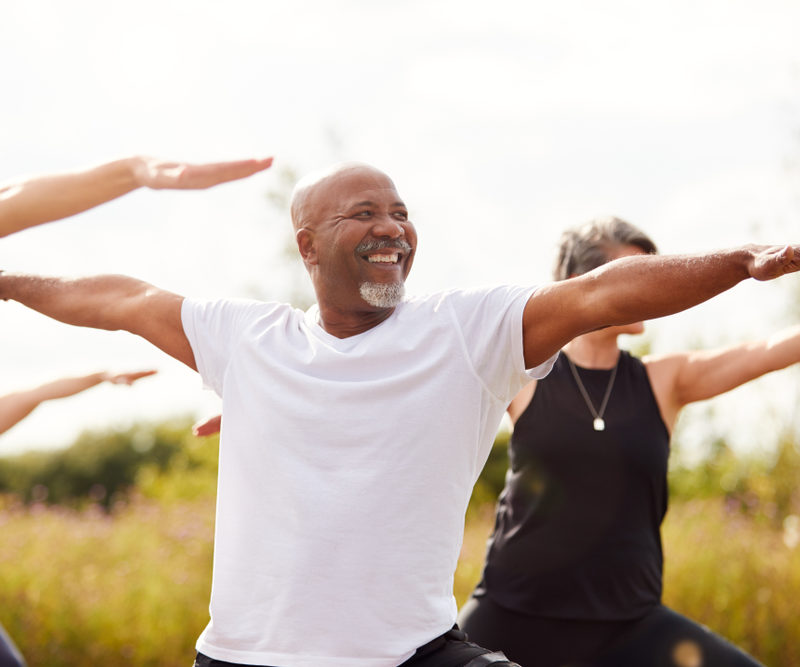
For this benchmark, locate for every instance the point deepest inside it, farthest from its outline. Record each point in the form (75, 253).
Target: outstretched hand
(129, 378)
(208, 427)
(774, 261)
(160, 174)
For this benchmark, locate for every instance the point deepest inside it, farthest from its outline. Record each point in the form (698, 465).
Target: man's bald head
(355, 238)
(318, 190)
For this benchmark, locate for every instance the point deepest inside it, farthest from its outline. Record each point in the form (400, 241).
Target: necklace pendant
(599, 424)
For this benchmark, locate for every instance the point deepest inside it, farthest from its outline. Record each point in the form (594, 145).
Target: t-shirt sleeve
(213, 328)
(491, 323)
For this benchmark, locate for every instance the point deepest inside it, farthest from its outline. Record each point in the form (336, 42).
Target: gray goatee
(382, 295)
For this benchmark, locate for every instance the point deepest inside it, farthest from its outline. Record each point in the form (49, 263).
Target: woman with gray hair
(573, 572)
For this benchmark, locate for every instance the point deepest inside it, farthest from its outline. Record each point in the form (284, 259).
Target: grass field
(88, 588)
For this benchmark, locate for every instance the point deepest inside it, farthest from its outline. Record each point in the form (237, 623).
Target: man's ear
(306, 245)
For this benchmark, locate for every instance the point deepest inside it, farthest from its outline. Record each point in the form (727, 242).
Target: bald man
(354, 431)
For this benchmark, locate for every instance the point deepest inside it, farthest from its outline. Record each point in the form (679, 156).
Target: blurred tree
(97, 467)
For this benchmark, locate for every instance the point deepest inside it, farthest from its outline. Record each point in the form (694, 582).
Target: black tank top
(577, 533)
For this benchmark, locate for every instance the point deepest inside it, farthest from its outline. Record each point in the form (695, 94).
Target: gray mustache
(369, 246)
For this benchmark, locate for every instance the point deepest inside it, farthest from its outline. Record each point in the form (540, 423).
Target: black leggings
(661, 638)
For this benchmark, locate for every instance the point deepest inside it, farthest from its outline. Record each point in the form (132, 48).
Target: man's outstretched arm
(16, 406)
(111, 302)
(641, 287)
(41, 199)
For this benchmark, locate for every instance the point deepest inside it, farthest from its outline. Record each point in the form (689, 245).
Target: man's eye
(363, 214)
(401, 215)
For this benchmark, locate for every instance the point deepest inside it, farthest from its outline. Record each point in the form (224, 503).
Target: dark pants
(452, 649)
(9, 654)
(661, 638)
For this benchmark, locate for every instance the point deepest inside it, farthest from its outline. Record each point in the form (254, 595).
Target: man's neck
(343, 324)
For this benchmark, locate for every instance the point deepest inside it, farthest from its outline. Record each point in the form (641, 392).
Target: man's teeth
(387, 259)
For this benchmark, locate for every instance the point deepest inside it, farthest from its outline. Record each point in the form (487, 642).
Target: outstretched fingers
(158, 175)
(207, 175)
(130, 378)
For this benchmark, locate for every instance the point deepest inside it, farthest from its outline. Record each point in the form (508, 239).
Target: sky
(501, 124)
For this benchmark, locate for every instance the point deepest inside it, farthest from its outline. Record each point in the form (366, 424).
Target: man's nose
(386, 225)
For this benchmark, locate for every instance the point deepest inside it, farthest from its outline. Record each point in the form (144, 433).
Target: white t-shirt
(345, 470)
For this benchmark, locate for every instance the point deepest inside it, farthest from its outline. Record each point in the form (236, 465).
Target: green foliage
(763, 488)
(98, 467)
(493, 476)
(190, 475)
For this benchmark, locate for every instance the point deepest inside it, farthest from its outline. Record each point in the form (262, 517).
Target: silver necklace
(598, 423)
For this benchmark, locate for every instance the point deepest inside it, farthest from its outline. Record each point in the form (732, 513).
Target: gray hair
(590, 245)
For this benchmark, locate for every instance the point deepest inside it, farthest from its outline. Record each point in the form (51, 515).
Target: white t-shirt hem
(295, 660)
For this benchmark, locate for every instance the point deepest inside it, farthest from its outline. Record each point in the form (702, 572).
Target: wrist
(749, 256)
(136, 170)
(106, 376)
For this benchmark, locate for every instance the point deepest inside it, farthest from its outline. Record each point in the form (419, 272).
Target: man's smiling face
(355, 237)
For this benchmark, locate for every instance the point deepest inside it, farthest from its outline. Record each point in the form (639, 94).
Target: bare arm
(41, 199)
(680, 379)
(641, 287)
(521, 401)
(16, 406)
(208, 426)
(109, 302)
